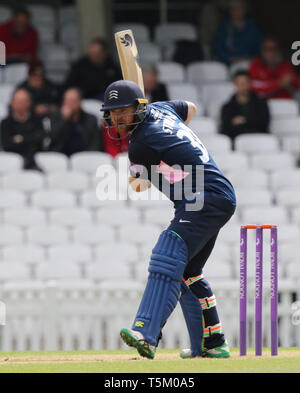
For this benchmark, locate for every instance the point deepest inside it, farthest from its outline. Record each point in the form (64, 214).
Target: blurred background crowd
(51, 97)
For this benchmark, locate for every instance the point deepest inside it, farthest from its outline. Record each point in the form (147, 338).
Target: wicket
(259, 289)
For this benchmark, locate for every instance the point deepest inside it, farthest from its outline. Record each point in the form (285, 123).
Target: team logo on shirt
(113, 94)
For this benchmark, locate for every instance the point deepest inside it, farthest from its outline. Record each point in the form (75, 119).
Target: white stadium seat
(93, 108)
(184, 91)
(5, 14)
(149, 52)
(15, 73)
(58, 270)
(296, 215)
(12, 199)
(252, 178)
(216, 93)
(289, 197)
(52, 199)
(217, 143)
(242, 65)
(99, 271)
(42, 14)
(272, 161)
(261, 215)
(171, 32)
(220, 271)
(89, 162)
(70, 216)
(93, 234)
(257, 143)
(90, 200)
(121, 251)
(284, 178)
(136, 233)
(24, 216)
(10, 162)
(247, 197)
(170, 72)
(26, 180)
(14, 271)
(47, 235)
(286, 126)
(140, 31)
(207, 72)
(283, 107)
(10, 235)
(158, 216)
(6, 92)
(231, 161)
(203, 126)
(52, 161)
(71, 251)
(25, 253)
(69, 180)
(117, 216)
(293, 269)
(67, 14)
(291, 144)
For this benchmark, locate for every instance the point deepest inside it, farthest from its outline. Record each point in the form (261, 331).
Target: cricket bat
(128, 55)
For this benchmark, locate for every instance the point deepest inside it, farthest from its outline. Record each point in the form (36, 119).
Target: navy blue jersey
(174, 158)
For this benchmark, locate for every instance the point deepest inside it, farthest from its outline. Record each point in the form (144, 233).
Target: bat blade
(128, 55)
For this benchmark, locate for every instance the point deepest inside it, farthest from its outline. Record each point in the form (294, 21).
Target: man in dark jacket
(92, 73)
(22, 132)
(72, 129)
(245, 112)
(154, 90)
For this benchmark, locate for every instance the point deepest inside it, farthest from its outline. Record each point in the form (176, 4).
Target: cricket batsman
(165, 152)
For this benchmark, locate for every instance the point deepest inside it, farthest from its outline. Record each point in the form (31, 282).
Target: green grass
(288, 361)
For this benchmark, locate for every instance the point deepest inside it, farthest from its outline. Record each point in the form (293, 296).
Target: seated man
(19, 37)
(154, 90)
(246, 112)
(92, 73)
(45, 94)
(272, 76)
(22, 132)
(72, 129)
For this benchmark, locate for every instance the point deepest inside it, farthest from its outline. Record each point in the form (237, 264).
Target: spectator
(154, 90)
(238, 38)
(246, 112)
(22, 131)
(212, 13)
(20, 38)
(94, 72)
(44, 94)
(72, 129)
(272, 76)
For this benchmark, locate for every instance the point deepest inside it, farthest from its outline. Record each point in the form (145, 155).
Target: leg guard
(167, 264)
(192, 312)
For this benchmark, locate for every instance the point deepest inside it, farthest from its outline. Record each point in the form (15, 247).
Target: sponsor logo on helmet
(113, 94)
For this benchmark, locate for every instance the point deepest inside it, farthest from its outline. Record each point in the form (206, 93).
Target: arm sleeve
(180, 107)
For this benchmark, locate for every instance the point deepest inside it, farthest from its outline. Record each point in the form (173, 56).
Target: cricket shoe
(135, 339)
(218, 352)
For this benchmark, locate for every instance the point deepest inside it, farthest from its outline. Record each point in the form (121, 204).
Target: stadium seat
(93, 234)
(288, 252)
(10, 235)
(242, 65)
(24, 216)
(70, 216)
(296, 215)
(220, 271)
(58, 269)
(103, 271)
(291, 144)
(13, 199)
(217, 143)
(171, 32)
(90, 200)
(69, 180)
(27, 181)
(283, 108)
(42, 14)
(247, 197)
(25, 253)
(272, 161)
(46, 33)
(123, 252)
(135, 233)
(206, 72)
(288, 233)
(5, 14)
(293, 269)
(52, 161)
(217, 93)
(6, 92)
(93, 107)
(231, 161)
(284, 178)
(260, 215)
(257, 143)
(140, 31)
(171, 72)
(117, 216)
(203, 127)
(286, 126)
(184, 91)
(89, 162)
(47, 235)
(289, 197)
(14, 271)
(160, 217)
(10, 162)
(79, 253)
(67, 14)
(15, 73)
(52, 199)
(3, 111)
(252, 178)
(149, 53)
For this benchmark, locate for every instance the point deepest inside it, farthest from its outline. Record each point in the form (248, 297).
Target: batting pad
(168, 260)
(193, 316)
